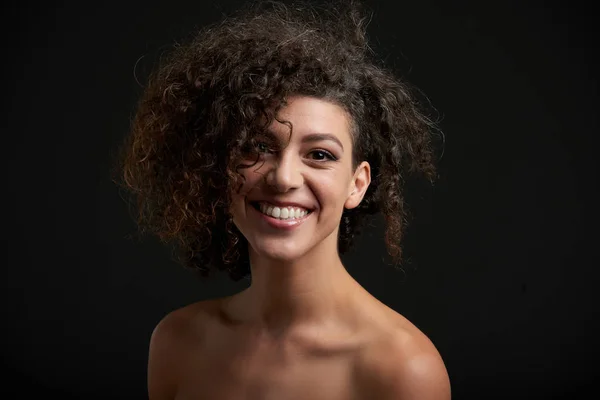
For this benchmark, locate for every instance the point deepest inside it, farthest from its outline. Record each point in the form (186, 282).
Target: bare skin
(213, 356)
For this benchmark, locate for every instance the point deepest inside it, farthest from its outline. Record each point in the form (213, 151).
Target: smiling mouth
(256, 206)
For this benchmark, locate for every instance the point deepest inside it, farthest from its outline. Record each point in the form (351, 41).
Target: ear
(359, 185)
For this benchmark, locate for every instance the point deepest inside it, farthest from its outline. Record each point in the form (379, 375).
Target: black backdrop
(502, 250)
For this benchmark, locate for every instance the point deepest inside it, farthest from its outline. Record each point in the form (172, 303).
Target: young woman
(260, 145)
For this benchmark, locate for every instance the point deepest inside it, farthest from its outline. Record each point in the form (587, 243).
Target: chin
(278, 251)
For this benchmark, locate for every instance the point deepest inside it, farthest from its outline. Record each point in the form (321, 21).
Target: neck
(286, 295)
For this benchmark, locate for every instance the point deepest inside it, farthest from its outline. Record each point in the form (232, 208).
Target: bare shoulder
(185, 322)
(404, 365)
(175, 335)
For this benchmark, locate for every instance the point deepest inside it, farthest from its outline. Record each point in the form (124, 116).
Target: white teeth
(282, 212)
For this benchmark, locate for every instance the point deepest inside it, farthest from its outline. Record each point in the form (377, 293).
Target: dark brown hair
(202, 105)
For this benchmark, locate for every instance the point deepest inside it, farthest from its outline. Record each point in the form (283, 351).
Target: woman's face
(293, 198)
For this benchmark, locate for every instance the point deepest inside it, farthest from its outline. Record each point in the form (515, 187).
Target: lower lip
(283, 224)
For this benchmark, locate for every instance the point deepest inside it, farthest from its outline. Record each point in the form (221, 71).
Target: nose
(284, 174)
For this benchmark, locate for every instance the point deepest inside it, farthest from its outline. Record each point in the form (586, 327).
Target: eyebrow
(314, 137)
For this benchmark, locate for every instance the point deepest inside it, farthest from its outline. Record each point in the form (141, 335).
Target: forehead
(311, 115)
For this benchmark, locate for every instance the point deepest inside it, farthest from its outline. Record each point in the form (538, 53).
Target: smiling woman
(259, 146)
(291, 178)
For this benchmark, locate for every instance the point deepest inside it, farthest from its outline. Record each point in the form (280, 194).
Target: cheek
(330, 192)
(248, 181)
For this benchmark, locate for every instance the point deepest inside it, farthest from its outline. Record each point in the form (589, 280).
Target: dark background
(502, 251)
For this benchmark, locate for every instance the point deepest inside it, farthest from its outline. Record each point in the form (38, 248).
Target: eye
(262, 147)
(323, 155)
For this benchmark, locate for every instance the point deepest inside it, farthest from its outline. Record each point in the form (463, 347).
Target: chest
(251, 371)
(313, 382)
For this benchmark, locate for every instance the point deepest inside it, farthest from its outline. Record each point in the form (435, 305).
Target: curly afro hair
(202, 105)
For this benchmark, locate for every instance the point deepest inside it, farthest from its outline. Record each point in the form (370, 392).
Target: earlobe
(354, 199)
(350, 202)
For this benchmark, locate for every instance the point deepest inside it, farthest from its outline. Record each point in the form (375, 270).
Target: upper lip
(283, 204)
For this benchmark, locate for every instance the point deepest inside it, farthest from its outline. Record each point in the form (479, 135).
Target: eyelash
(327, 154)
